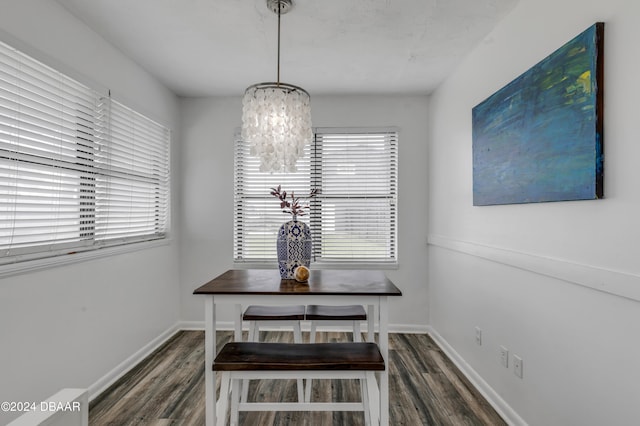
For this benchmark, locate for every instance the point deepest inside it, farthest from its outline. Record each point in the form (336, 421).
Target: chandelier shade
(276, 121)
(276, 117)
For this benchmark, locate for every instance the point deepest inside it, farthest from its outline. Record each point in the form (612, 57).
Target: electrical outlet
(504, 356)
(517, 365)
(479, 336)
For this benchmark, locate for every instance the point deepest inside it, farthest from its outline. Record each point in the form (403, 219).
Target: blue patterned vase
(294, 247)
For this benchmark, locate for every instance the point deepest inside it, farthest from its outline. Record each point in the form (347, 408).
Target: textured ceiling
(219, 47)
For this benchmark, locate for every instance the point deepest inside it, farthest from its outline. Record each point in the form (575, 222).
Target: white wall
(71, 325)
(207, 191)
(556, 283)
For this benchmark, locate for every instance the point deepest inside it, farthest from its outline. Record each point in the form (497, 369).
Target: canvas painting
(540, 138)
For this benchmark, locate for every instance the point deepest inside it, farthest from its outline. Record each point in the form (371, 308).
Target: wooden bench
(258, 360)
(259, 315)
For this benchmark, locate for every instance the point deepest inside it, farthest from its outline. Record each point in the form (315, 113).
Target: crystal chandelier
(276, 117)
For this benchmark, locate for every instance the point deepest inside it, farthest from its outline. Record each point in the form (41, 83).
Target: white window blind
(353, 216)
(257, 213)
(77, 170)
(132, 191)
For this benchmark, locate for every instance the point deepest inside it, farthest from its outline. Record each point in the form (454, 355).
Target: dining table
(244, 287)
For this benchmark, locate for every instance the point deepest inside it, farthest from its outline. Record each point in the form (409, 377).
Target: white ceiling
(219, 47)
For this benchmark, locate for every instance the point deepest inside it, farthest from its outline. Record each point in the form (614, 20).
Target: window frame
(314, 214)
(85, 245)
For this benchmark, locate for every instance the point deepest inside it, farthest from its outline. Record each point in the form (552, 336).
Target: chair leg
(357, 336)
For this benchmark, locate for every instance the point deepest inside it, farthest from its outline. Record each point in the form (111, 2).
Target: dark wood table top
(321, 282)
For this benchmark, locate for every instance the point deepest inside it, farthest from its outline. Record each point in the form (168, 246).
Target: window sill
(324, 265)
(52, 262)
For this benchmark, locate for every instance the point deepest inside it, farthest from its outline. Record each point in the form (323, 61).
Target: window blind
(71, 163)
(353, 216)
(257, 214)
(132, 188)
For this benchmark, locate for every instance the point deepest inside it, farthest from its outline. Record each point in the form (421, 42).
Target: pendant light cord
(279, 8)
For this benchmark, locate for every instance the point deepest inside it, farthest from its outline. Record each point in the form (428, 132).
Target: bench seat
(328, 312)
(274, 313)
(239, 361)
(256, 356)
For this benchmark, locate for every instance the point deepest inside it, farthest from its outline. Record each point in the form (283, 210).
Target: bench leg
(253, 336)
(369, 404)
(297, 338)
(223, 401)
(357, 337)
(235, 399)
(370, 323)
(312, 336)
(312, 339)
(366, 402)
(307, 391)
(373, 397)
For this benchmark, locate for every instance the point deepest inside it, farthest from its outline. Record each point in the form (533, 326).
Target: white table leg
(238, 323)
(209, 356)
(384, 350)
(370, 323)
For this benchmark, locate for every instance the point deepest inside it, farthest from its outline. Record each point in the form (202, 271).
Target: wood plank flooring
(167, 388)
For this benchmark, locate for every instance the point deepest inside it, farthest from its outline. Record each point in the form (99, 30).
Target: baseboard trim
(619, 283)
(125, 366)
(196, 325)
(500, 405)
(228, 325)
(408, 329)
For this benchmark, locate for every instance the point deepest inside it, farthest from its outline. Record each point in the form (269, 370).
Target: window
(353, 217)
(78, 171)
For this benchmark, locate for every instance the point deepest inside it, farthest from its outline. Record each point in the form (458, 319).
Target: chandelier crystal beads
(276, 121)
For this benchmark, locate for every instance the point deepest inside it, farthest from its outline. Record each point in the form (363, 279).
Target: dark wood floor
(167, 388)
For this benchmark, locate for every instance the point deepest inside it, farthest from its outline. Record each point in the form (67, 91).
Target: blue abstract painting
(540, 138)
